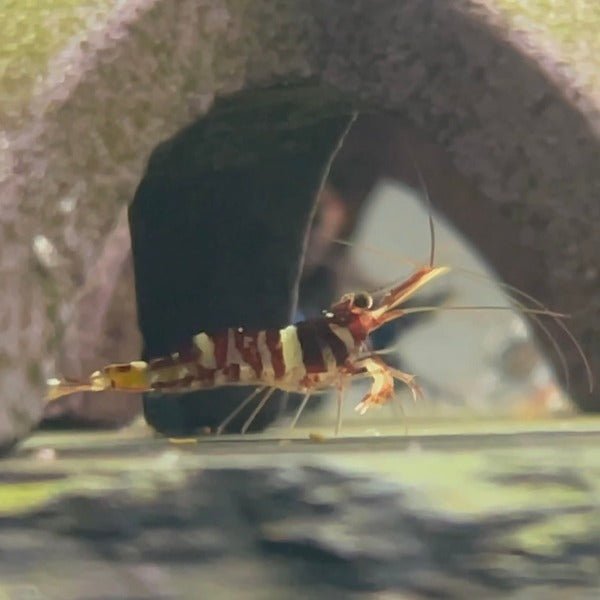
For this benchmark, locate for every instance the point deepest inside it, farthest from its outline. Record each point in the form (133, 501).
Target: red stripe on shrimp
(220, 341)
(247, 346)
(273, 340)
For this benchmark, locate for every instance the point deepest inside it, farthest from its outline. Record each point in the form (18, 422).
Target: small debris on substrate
(45, 454)
(183, 441)
(373, 432)
(202, 433)
(138, 427)
(543, 401)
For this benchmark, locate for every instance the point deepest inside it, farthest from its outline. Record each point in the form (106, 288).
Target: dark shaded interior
(218, 225)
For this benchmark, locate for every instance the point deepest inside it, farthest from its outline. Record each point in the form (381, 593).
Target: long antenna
(322, 183)
(429, 213)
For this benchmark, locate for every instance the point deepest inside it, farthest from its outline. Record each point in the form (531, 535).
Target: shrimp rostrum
(312, 355)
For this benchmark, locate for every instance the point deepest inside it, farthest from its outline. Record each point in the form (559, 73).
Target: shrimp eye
(363, 300)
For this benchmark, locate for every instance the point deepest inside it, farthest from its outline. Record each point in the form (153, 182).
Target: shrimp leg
(382, 390)
(238, 409)
(300, 410)
(255, 412)
(340, 403)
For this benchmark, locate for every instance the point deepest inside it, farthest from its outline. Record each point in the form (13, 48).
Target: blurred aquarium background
(471, 363)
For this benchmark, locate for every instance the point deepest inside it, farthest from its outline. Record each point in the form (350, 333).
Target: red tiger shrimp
(315, 354)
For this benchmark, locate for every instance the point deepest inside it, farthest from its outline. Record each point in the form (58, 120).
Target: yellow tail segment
(128, 377)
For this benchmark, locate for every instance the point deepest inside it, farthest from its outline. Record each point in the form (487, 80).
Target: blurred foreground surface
(447, 510)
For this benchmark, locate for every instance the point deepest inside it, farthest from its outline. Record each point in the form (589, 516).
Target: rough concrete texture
(132, 517)
(90, 88)
(102, 329)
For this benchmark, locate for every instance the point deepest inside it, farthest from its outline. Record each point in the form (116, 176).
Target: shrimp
(312, 355)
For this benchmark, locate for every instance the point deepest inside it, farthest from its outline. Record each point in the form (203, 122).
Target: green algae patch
(452, 475)
(464, 483)
(550, 536)
(18, 498)
(28, 483)
(574, 25)
(33, 31)
(571, 26)
(22, 498)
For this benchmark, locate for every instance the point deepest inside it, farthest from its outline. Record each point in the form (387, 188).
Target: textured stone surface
(92, 88)
(102, 329)
(427, 516)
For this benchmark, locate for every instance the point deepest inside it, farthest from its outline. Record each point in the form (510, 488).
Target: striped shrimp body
(315, 354)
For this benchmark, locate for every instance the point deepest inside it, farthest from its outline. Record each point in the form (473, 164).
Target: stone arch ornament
(515, 105)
